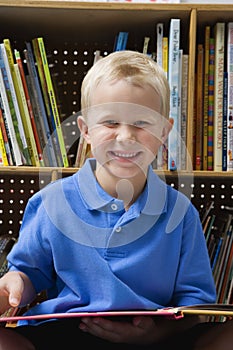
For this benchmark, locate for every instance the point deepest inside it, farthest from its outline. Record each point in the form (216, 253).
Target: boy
(107, 237)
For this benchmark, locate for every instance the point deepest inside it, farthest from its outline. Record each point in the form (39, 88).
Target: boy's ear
(166, 129)
(82, 125)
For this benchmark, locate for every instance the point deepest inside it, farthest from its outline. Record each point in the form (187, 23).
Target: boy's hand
(11, 289)
(140, 331)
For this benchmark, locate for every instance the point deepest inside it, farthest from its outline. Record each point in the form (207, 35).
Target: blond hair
(132, 66)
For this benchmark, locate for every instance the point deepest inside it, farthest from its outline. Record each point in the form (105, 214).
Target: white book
(230, 96)
(174, 138)
(159, 53)
(218, 93)
(9, 123)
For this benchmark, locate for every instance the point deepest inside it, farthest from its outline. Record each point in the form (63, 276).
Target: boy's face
(124, 127)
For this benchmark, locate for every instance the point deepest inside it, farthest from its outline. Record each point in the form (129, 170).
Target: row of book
(167, 52)
(218, 230)
(30, 126)
(213, 120)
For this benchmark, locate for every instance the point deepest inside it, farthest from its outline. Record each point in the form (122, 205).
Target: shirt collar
(153, 200)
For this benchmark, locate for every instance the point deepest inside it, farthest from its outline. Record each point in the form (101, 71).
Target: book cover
(39, 108)
(210, 138)
(199, 107)
(174, 153)
(170, 312)
(29, 105)
(53, 102)
(218, 93)
(20, 132)
(230, 96)
(206, 98)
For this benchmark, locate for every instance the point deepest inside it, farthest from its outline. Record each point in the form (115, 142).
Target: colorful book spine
(174, 153)
(230, 96)
(5, 136)
(20, 133)
(4, 158)
(184, 110)
(9, 114)
(165, 55)
(210, 147)
(199, 107)
(218, 93)
(206, 97)
(25, 117)
(53, 103)
(39, 109)
(224, 122)
(29, 105)
(121, 41)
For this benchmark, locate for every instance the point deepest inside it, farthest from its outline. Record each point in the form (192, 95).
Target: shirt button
(114, 207)
(118, 229)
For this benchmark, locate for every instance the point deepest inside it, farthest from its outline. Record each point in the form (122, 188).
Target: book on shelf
(39, 108)
(121, 41)
(174, 153)
(9, 64)
(145, 48)
(224, 122)
(5, 136)
(159, 43)
(6, 104)
(210, 138)
(29, 105)
(169, 312)
(26, 120)
(230, 96)
(206, 97)
(165, 55)
(199, 107)
(53, 103)
(184, 109)
(4, 158)
(219, 33)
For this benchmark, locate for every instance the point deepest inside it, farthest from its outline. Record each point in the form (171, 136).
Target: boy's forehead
(122, 112)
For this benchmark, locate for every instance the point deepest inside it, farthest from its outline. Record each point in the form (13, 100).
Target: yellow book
(4, 160)
(165, 54)
(26, 117)
(53, 103)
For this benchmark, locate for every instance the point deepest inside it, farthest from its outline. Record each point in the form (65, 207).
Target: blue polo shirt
(78, 242)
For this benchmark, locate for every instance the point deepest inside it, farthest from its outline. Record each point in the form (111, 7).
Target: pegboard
(17, 187)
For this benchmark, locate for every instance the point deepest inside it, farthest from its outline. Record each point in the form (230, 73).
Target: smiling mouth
(125, 155)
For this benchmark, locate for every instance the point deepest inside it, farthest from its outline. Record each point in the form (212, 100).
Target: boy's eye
(110, 123)
(141, 123)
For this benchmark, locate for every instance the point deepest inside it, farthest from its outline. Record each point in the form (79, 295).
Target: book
(169, 312)
(224, 122)
(23, 107)
(184, 109)
(174, 153)
(199, 107)
(146, 45)
(121, 41)
(210, 138)
(230, 96)
(4, 159)
(52, 98)
(219, 32)
(20, 132)
(39, 108)
(6, 105)
(29, 105)
(206, 98)
(5, 135)
(165, 55)
(159, 44)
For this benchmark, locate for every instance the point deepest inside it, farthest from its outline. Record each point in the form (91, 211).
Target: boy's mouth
(124, 155)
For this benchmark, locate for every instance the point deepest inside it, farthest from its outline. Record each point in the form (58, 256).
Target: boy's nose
(125, 132)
